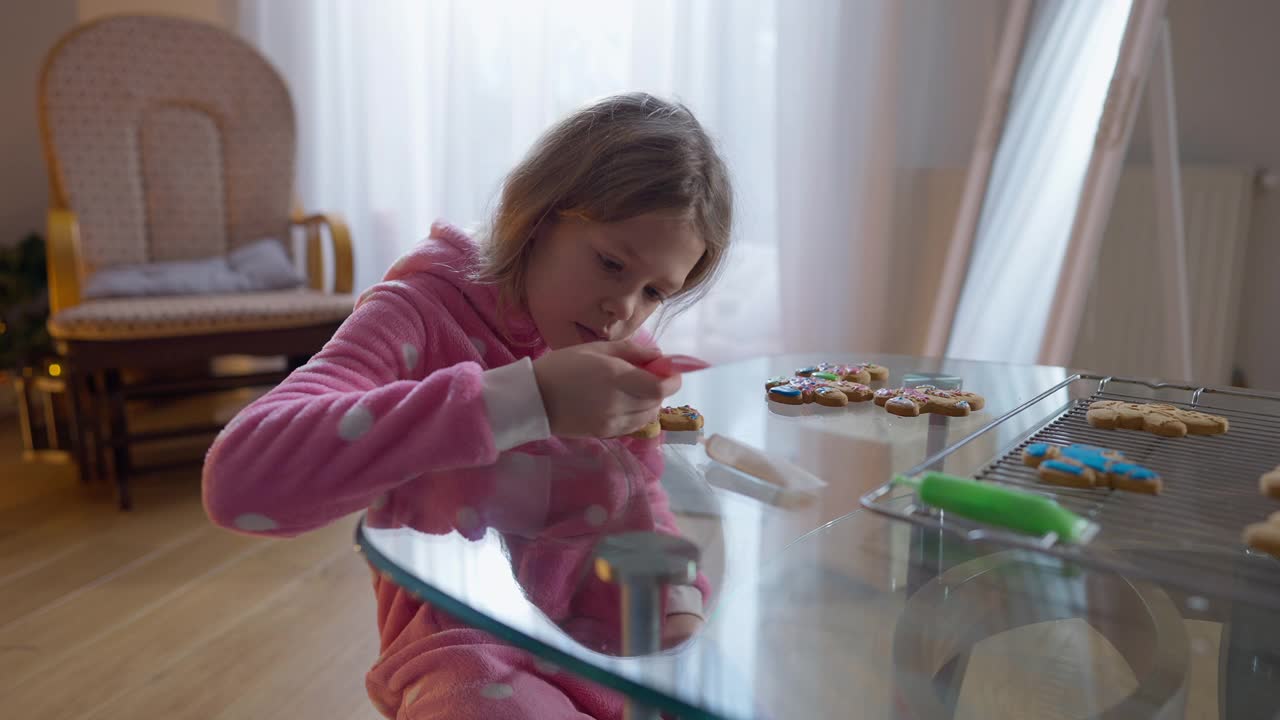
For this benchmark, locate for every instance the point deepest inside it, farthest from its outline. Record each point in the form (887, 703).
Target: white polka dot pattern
(410, 354)
(411, 694)
(119, 91)
(467, 518)
(596, 515)
(355, 423)
(497, 691)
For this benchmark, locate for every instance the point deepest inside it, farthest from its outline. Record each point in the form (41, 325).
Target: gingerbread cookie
(1158, 418)
(787, 395)
(1265, 536)
(811, 389)
(830, 397)
(1269, 484)
(854, 391)
(858, 373)
(648, 432)
(1087, 466)
(911, 402)
(680, 419)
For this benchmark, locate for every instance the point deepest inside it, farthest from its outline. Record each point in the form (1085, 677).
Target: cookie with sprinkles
(680, 419)
(914, 401)
(858, 372)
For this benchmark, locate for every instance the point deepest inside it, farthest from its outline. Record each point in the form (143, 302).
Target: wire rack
(1189, 536)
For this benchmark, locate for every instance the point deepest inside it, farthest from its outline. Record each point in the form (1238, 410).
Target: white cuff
(684, 599)
(514, 405)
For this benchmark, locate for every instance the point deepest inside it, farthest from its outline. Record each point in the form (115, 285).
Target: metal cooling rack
(1188, 537)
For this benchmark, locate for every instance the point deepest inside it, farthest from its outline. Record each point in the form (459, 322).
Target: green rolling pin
(995, 505)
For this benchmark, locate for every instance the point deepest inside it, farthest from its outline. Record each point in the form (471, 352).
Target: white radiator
(1123, 326)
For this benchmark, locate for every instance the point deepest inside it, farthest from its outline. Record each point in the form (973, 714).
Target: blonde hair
(615, 159)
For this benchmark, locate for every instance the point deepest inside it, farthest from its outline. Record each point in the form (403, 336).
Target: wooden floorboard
(157, 613)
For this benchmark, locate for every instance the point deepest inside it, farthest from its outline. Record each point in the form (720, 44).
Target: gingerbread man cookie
(858, 373)
(1158, 418)
(649, 431)
(912, 401)
(1269, 484)
(1265, 536)
(1087, 466)
(680, 419)
(831, 393)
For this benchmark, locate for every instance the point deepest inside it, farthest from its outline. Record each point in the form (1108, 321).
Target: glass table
(817, 607)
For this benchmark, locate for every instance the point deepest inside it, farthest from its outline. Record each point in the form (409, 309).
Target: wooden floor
(155, 613)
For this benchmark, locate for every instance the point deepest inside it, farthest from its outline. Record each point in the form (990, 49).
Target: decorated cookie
(878, 373)
(787, 395)
(829, 396)
(813, 389)
(911, 402)
(1158, 418)
(680, 419)
(859, 373)
(854, 391)
(777, 380)
(1264, 536)
(648, 432)
(1087, 466)
(1269, 484)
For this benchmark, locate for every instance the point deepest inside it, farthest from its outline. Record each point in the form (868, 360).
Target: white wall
(1225, 64)
(25, 37)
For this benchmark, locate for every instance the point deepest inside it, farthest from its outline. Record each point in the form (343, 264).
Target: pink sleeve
(349, 426)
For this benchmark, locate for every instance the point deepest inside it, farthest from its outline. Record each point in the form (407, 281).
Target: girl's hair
(620, 157)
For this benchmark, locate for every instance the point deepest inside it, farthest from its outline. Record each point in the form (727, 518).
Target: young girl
(494, 386)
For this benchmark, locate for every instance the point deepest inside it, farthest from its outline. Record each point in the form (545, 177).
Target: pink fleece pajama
(424, 409)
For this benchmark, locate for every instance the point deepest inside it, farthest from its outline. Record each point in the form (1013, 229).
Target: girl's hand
(599, 389)
(678, 627)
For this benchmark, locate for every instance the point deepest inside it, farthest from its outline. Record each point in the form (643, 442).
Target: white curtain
(1068, 58)
(411, 110)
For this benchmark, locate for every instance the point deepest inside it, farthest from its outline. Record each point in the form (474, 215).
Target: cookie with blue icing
(1089, 466)
(814, 389)
(680, 419)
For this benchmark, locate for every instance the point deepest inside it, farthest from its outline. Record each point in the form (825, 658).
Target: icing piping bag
(995, 505)
(668, 365)
(797, 485)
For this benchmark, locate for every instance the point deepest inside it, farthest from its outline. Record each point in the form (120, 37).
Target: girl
(493, 386)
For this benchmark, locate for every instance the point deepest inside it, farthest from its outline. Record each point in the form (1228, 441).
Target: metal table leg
(642, 564)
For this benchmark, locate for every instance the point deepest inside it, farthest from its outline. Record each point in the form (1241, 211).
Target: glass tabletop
(813, 607)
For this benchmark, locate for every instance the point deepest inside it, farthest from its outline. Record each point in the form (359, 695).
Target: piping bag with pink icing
(669, 365)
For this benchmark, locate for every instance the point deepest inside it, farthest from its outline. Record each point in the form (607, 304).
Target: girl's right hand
(599, 389)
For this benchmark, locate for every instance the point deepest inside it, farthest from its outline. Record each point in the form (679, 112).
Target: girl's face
(590, 281)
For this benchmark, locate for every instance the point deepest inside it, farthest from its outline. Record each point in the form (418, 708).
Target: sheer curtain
(1067, 62)
(412, 110)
